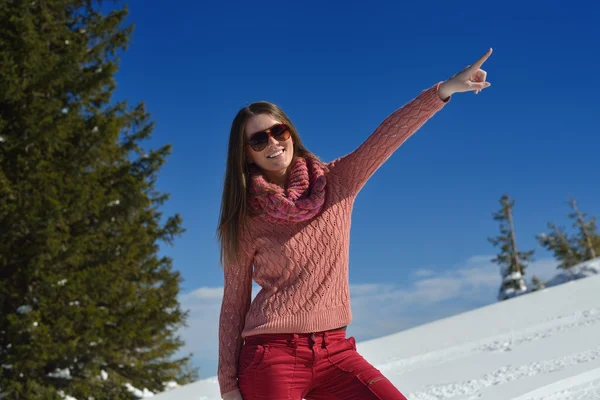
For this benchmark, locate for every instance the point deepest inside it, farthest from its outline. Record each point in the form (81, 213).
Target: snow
(66, 397)
(24, 309)
(61, 373)
(138, 392)
(171, 385)
(513, 277)
(582, 270)
(544, 345)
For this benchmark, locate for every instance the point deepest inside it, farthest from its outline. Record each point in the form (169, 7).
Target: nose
(273, 141)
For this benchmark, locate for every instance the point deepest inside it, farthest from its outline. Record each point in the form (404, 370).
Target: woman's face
(276, 157)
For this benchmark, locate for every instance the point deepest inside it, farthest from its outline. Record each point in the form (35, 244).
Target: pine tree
(565, 249)
(512, 261)
(588, 238)
(87, 305)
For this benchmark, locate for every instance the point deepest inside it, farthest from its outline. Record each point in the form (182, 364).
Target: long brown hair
(234, 213)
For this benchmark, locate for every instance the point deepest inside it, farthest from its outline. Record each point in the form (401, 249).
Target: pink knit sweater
(302, 268)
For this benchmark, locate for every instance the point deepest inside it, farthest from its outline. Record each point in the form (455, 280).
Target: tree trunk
(513, 239)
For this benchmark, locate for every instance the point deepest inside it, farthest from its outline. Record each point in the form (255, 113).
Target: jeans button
(313, 337)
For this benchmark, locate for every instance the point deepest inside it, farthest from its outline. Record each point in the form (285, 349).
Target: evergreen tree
(565, 249)
(588, 238)
(512, 261)
(88, 307)
(536, 284)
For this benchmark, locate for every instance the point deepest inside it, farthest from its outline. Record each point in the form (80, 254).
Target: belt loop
(295, 341)
(325, 339)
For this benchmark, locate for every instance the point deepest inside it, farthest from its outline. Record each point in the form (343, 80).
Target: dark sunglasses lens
(280, 130)
(259, 141)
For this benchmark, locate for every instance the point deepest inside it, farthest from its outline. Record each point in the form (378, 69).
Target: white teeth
(275, 154)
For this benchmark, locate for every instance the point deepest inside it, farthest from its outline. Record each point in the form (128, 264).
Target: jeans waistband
(293, 339)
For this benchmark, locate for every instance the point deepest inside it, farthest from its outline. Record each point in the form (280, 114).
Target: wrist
(443, 91)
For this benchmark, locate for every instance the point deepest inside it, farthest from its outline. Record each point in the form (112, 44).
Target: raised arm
(355, 168)
(237, 295)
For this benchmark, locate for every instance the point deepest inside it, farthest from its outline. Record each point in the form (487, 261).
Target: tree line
(569, 249)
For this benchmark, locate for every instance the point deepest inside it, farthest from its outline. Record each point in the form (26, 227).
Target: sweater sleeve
(355, 168)
(237, 296)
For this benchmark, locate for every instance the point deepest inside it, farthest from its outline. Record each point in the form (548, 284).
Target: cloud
(207, 293)
(381, 309)
(378, 309)
(544, 268)
(423, 272)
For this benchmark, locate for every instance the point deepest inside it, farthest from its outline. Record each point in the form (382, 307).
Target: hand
(235, 395)
(472, 78)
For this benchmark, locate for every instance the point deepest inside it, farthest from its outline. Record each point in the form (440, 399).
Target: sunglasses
(259, 140)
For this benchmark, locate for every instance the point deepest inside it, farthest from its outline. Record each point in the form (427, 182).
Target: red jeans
(319, 366)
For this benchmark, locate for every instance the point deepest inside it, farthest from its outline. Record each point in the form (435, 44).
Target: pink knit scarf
(302, 198)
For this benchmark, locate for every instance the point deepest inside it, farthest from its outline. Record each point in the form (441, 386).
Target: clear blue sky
(338, 68)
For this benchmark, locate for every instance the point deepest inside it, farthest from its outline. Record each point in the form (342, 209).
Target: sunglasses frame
(268, 132)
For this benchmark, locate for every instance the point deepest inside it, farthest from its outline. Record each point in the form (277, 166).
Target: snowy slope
(541, 346)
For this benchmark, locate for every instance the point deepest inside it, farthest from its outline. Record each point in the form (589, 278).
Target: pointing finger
(477, 64)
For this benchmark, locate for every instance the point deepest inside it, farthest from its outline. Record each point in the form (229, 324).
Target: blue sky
(421, 223)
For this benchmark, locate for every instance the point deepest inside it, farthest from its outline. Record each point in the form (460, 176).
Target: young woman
(285, 223)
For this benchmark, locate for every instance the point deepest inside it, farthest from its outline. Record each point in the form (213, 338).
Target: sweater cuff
(436, 89)
(224, 395)
(429, 99)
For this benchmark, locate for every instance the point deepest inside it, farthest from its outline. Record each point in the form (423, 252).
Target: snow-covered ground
(543, 345)
(581, 270)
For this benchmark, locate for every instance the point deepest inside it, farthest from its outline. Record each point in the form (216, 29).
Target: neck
(278, 178)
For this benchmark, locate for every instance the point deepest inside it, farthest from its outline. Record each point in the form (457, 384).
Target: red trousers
(317, 366)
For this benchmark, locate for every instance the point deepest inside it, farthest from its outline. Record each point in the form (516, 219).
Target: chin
(283, 167)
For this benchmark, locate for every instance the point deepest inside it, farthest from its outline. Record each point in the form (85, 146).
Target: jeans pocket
(251, 356)
(341, 352)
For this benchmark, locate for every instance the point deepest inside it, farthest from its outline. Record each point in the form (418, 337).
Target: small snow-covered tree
(565, 248)
(512, 262)
(587, 238)
(536, 284)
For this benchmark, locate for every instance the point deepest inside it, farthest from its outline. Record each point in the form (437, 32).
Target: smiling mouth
(275, 155)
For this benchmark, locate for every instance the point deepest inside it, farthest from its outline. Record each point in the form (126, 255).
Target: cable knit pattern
(302, 267)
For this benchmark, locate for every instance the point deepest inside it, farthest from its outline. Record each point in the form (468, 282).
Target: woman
(285, 223)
